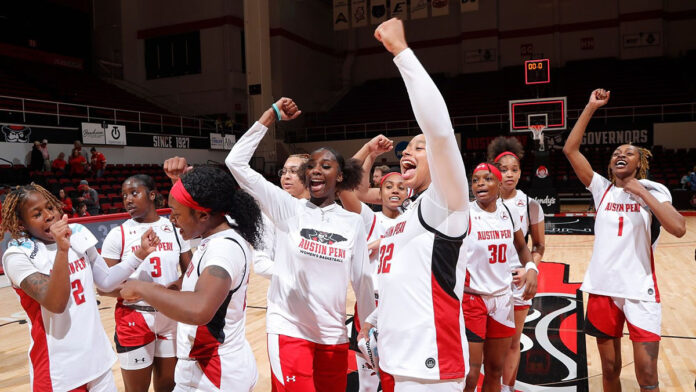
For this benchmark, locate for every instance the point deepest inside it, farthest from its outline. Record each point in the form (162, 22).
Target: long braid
(644, 155)
(12, 207)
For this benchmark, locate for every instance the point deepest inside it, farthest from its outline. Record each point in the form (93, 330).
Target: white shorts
(407, 384)
(487, 316)
(517, 294)
(103, 383)
(369, 380)
(232, 372)
(141, 336)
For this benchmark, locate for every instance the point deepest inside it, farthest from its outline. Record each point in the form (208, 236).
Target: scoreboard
(537, 71)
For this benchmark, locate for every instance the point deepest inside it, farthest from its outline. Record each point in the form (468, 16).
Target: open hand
(391, 34)
(599, 98)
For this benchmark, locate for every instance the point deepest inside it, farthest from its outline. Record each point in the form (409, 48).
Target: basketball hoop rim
(537, 130)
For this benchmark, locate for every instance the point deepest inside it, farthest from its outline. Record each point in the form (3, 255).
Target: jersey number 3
(385, 255)
(156, 267)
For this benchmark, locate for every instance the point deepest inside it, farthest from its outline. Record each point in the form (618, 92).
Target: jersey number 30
(385, 255)
(498, 253)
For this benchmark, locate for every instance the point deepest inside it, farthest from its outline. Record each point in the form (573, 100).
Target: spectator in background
(37, 160)
(67, 202)
(58, 165)
(81, 211)
(78, 164)
(684, 182)
(377, 174)
(90, 197)
(692, 179)
(47, 158)
(98, 162)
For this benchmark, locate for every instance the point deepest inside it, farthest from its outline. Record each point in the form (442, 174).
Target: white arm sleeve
(108, 278)
(275, 202)
(265, 253)
(447, 172)
(361, 276)
(263, 264)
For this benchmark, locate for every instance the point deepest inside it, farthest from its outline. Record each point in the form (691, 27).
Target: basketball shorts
(487, 316)
(606, 316)
(518, 302)
(235, 371)
(298, 365)
(141, 336)
(103, 383)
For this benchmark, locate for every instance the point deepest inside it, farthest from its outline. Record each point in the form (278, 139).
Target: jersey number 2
(78, 292)
(498, 253)
(156, 267)
(385, 255)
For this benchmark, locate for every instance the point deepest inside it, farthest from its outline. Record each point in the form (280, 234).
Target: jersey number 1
(620, 226)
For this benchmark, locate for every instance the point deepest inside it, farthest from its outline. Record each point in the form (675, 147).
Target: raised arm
(367, 155)
(444, 158)
(276, 203)
(582, 167)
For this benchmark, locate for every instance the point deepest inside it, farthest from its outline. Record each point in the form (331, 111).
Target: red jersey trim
(38, 354)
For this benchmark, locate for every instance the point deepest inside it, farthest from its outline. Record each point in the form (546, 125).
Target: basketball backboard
(549, 112)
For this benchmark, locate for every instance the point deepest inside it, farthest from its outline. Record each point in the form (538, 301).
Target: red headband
(385, 177)
(487, 166)
(502, 154)
(180, 194)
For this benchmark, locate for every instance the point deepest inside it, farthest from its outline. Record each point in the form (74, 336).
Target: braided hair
(642, 173)
(12, 208)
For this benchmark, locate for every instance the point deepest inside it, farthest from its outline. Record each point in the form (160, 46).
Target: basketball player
(213, 352)
(494, 237)
(291, 182)
(319, 248)
(621, 279)
(507, 153)
(145, 339)
(422, 342)
(393, 192)
(53, 268)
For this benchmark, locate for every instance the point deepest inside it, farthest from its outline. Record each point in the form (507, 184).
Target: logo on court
(430, 363)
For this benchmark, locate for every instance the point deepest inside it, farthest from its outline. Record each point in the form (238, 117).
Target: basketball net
(538, 134)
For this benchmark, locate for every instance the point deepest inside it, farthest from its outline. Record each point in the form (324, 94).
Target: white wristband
(132, 260)
(531, 266)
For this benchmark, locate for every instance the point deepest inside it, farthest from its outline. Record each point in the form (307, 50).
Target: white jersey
(67, 349)
(376, 224)
(490, 245)
(318, 250)
(161, 265)
(225, 333)
(530, 212)
(421, 275)
(626, 234)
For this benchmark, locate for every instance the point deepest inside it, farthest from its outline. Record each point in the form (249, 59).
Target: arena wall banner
(219, 141)
(103, 133)
(606, 135)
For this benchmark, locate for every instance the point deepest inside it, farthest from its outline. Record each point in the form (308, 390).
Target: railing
(676, 111)
(62, 114)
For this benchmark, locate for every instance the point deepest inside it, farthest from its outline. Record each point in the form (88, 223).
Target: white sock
(506, 388)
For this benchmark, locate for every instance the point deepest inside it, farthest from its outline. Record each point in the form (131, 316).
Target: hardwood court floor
(676, 270)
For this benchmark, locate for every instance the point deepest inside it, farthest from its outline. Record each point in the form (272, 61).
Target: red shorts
(606, 315)
(304, 366)
(488, 316)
